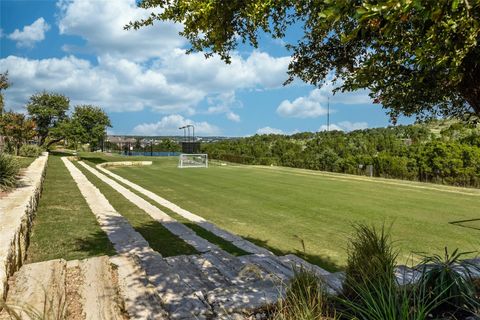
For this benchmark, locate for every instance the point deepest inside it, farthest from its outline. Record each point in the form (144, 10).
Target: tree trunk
(470, 85)
(54, 141)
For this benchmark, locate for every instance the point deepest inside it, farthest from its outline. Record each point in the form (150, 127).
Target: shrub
(30, 150)
(305, 299)
(371, 259)
(8, 171)
(450, 279)
(387, 301)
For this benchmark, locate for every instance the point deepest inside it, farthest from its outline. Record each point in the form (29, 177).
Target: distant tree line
(440, 152)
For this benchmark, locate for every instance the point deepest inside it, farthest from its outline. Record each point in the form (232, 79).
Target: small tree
(17, 128)
(4, 84)
(89, 124)
(48, 110)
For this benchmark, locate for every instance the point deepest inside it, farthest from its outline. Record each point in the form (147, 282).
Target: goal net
(193, 160)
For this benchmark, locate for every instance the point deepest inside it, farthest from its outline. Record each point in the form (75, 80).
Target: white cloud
(101, 24)
(310, 106)
(269, 130)
(30, 34)
(315, 104)
(233, 116)
(114, 84)
(345, 126)
(169, 126)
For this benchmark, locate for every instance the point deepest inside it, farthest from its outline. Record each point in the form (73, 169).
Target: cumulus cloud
(269, 130)
(345, 126)
(101, 24)
(30, 34)
(314, 105)
(169, 125)
(114, 84)
(310, 106)
(232, 116)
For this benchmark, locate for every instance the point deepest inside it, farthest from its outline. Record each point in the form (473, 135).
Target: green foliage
(450, 279)
(17, 128)
(30, 150)
(89, 124)
(387, 301)
(371, 260)
(416, 57)
(3, 86)
(47, 110)
(8, 171)
(305, 299)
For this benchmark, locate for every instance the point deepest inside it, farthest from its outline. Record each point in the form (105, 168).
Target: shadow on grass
(162, 240)
(94, 160)
(321, 261)
(463, 223)
(96, 244)
(212, 238)
(60, 153)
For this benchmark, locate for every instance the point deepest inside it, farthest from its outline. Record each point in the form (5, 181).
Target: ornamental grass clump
(371, 260)
(305, 299)
(450, 279)
(9, 169)
(371, 291)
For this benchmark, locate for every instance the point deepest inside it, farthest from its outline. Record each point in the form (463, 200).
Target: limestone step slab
(38, 290)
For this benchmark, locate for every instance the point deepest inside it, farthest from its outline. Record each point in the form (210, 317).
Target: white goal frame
(187, 160)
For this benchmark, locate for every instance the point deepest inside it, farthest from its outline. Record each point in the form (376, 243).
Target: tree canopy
(17, 128)
(89, 124)
(47, 110)
(417, 57)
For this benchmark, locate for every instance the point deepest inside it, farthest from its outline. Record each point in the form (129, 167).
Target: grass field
(64, 226)
(292, 210)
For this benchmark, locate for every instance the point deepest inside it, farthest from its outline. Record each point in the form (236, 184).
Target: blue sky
(149, 86)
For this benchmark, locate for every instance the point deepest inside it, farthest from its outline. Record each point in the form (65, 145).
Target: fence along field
(307, 212)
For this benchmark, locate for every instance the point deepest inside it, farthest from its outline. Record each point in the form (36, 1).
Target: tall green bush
(9, 169)
(29, 150)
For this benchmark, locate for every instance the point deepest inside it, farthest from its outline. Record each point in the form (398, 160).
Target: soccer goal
(186, 160)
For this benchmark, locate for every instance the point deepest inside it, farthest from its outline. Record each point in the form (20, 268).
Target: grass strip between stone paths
(201, 232)
(64, 226)
(158, 237)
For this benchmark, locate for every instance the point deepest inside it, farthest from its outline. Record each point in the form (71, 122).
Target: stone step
(232, 268)
(294, 262)
(179, 288)
(141, 300)
(37, 290)
(244, 299)
(272, 267)
(97, 285)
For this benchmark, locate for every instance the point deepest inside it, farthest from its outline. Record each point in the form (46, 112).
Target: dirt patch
(74, 281)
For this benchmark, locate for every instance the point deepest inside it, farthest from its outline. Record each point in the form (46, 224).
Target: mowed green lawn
(290, 210)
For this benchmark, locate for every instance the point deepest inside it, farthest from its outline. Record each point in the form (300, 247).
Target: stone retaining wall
(17, 211)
